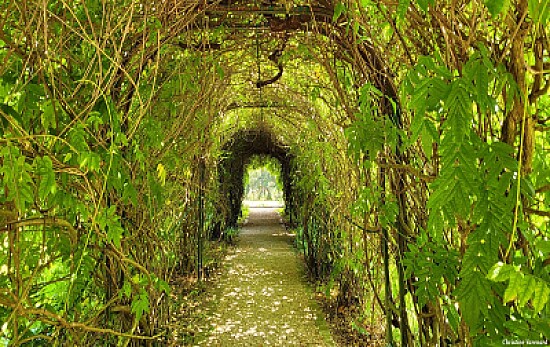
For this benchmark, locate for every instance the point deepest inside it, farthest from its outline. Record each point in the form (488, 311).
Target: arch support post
(384, 241)
(200, 229)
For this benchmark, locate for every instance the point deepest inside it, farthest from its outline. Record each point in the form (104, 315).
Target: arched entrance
(238, 152)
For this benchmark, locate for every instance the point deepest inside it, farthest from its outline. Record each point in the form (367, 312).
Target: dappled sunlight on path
(264, 298)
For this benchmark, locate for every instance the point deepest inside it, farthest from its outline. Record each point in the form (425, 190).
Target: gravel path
(263, 296)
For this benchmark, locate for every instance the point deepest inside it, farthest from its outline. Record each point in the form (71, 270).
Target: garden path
(263, 296)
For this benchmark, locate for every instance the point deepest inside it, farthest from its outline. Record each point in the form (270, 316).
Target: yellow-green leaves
(402, 9)
(539, 10)
(370, 131)
(522, 287)
(17, 181)
(161, 174)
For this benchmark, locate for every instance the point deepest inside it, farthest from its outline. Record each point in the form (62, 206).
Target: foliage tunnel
(238, 153)
(412, 135)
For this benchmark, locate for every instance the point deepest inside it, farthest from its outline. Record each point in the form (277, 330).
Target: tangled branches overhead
(422, 120)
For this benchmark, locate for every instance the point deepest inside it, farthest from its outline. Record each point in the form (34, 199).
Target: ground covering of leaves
(261, 298)
(264, 297)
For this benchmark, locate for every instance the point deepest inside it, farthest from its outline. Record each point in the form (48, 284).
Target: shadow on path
(264, 299)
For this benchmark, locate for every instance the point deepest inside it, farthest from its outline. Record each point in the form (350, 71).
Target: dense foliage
(412, 138)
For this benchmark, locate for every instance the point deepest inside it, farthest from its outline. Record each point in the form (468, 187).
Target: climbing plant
(412, 139)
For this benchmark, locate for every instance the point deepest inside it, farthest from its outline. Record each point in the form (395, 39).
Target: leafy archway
(414, 136)
(237, 153)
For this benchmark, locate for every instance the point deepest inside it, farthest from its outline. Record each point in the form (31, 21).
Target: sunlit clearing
(263, 186)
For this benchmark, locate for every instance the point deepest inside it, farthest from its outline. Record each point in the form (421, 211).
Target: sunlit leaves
(90, 161)
(161, 285)
(16, 176)
(161, 174)
(541, 295)
(476, 182)
(402, 9)
(388, 213)
(94, 120)
(368, 134)
(539, 10)
(522, 287)
(424, 4)
(364, 136)
(77, 139)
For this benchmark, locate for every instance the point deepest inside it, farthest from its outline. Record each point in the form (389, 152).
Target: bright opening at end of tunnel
(262, 183)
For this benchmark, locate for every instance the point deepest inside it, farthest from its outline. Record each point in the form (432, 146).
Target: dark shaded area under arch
(237, 154)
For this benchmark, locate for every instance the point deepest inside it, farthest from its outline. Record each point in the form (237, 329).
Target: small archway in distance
(263, 183)
(238, 152)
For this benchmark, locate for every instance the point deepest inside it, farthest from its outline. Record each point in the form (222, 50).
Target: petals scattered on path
(264, 298)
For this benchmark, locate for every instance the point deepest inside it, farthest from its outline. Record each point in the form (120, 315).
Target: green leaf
(402, 9)
(527, 290)
(220, 71)
(16, 177)
(543, 246)
(541, 297)
(423, 4)
(115, 233)
(77, 139)
(47, 184)
(126, 290)
(140, 304)
(514, 287)
(161, 285)
(496, 7)
(474, 295)
(539, 10)
(500, 272)
(48, 115)
(90, 160)
(442, 195)
(109, 221)
(388, 213)
(427, 138)
(130, 194)
(482, 85)
(339, 9)
(416, 126)
(459, 112)
(94, 120)
(452, 316)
